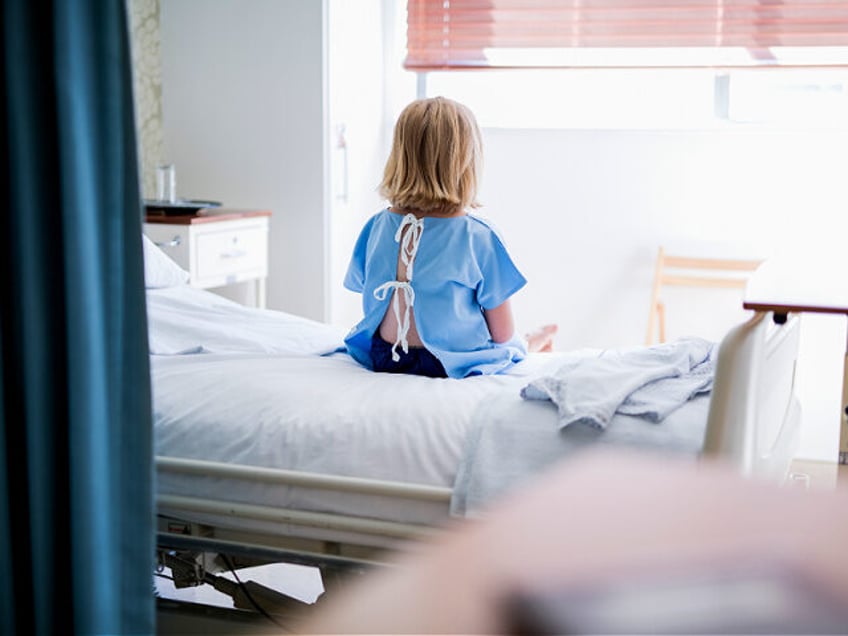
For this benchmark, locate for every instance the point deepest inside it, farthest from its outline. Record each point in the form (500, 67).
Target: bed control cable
(246, 595)
(251, 589)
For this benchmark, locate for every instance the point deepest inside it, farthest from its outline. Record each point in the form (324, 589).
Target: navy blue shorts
(418, 361)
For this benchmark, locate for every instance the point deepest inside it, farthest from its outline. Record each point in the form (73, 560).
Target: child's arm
(500, 322)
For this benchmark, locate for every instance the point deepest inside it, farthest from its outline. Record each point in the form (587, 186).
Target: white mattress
(249, 388)
(258, 395)
(315, 414)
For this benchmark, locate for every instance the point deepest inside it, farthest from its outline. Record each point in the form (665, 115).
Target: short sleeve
(500, 276)
(355, 278)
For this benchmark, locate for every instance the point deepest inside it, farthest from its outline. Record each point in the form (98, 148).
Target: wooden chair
(693, 271)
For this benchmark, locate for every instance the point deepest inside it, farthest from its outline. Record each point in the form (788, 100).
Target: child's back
(435, 281)
(459, 268)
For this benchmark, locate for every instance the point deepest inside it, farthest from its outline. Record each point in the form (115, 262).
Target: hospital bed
(266, 436)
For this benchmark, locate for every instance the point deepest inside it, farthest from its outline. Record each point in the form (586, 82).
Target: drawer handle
(174, 242)
(234, 254)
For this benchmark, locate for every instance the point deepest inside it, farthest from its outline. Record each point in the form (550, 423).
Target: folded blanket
(647, 381)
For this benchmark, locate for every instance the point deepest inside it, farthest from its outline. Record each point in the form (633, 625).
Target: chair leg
(649, 336)
(655, 295)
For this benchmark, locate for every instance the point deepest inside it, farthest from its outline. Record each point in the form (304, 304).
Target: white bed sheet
(255, 387)
(320, 415)
(244, 386)
(183, 320)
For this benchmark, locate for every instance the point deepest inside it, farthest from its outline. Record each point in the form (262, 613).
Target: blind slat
(460, 33)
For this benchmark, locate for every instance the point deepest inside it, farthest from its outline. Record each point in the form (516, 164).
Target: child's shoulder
(483, 225)
(376, 219)
(478, 219)
(384, 213)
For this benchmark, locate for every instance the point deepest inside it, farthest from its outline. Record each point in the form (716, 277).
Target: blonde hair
(435, 159)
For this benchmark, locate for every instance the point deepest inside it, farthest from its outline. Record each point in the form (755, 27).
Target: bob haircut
(435, 159)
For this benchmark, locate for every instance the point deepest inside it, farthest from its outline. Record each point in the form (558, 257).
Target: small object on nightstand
(166, 182)
(177, 208)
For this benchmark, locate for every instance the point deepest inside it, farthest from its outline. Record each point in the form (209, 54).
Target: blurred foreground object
(636, 544)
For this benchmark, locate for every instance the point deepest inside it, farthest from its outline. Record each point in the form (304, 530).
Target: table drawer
(231, 252)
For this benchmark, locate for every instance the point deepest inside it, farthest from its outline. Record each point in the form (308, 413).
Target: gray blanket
(514, 439)
(648, 381)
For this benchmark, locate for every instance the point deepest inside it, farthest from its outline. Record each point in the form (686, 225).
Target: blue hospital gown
(461, 267)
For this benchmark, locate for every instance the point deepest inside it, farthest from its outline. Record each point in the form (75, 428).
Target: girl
(435, 280)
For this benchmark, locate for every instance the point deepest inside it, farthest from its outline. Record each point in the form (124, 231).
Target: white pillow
(160, 270)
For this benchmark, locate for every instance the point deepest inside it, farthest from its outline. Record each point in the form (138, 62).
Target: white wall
(367, 90)
(584, 211)
(357, 120)
(244, 109)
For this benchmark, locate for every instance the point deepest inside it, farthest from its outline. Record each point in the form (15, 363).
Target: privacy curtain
(76, 513)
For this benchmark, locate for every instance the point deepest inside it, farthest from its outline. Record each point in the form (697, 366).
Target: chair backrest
(692, 271)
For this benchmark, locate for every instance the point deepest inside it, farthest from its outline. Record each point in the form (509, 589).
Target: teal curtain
(76, 500)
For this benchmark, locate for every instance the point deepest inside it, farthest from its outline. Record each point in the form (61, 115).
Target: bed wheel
(779, 318)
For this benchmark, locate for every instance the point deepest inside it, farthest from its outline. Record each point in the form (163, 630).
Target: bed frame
(753, 424)
(342, 535)
(754, 418)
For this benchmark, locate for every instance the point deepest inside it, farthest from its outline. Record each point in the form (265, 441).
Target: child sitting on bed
(435, 280)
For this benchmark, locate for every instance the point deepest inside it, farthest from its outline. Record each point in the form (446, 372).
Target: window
(453, 34)
(635, 64)
(649, 98)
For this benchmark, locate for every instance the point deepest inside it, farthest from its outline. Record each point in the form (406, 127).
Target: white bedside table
(217, 247)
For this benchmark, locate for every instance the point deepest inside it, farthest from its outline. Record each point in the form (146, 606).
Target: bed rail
(303, 479)
(381, 532)
(326, 521)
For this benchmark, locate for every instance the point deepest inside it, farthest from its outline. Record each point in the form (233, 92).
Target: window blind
(463, 34)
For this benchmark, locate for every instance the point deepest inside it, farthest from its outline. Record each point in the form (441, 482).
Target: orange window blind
(462, 34)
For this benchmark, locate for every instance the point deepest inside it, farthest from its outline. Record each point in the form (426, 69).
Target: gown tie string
(409, 242)
(402, 320)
